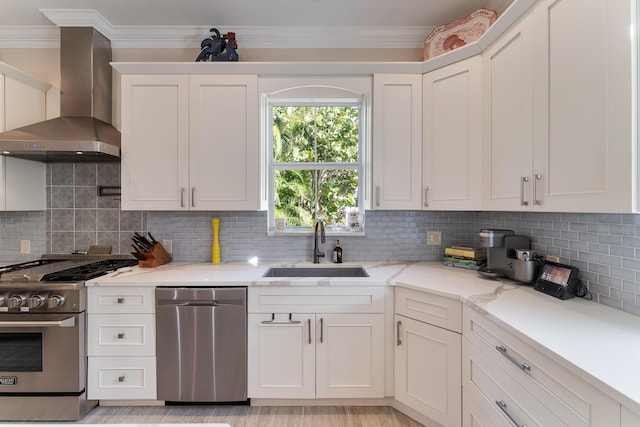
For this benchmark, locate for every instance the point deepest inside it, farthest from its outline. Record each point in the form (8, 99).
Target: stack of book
(465, 257)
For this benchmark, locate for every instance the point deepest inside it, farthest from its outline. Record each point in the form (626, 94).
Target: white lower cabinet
(294, 355)
(121, 344)
(427, 357)
(503, 374)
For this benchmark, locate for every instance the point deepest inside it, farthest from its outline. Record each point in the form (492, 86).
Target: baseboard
(412, 413)
(383, 401)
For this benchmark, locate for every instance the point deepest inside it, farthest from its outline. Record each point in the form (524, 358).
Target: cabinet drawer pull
(537, 177)
(321, 330)
(309, 329)
(286, 322)
(120, 300)
(398, 340)
(503, 350)
(121, 379)
(523, 181)
(503, 406)
(120, 335)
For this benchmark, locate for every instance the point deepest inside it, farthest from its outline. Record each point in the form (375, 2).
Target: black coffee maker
(503, 247)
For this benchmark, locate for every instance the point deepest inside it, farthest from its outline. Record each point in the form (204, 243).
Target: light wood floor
(254, 416)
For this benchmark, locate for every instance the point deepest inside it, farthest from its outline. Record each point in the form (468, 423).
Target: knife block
(156, 256)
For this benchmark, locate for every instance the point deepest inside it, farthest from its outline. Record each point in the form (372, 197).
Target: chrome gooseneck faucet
(316, 252)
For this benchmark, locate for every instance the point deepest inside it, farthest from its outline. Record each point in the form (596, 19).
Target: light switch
(434, 238)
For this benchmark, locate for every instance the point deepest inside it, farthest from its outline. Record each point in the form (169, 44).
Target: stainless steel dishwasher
(201, 344)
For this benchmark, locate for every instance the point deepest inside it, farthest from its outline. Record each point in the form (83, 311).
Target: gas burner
(88, 271)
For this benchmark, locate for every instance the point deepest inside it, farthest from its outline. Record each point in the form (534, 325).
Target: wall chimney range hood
(83, 132)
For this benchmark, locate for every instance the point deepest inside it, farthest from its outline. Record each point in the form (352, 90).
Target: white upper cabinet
(452, 136)
(558, 106)
(397, 141)
(22, 102)
(190, 142)
(583, 94)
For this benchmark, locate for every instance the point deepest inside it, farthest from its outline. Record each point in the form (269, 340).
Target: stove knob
(16, 301)
(36, 301)
(55, 301)
(1, 300)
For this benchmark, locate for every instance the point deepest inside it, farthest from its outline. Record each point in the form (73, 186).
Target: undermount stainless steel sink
(316, 272)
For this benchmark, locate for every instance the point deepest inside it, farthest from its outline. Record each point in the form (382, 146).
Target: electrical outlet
(434, 237)
(552, 258)
(168, 245)
(25, 246)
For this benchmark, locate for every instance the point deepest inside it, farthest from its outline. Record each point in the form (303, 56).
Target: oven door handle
(65, 323)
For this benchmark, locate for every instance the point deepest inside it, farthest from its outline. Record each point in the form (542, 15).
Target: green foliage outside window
(316, 161)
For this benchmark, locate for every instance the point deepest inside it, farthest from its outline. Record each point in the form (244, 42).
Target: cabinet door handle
(182, 197)
(286, 322)
(426, 197)
(309, 329)
(377, 195)
(503, 350)
(193, 197)
(537, 177)
(523, 181)
(503, 406)
(398, 340)
(321, 330)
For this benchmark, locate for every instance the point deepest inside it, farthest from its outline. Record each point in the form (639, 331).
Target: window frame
(320, 95)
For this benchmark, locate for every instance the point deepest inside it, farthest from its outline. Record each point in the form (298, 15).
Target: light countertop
(598, 343)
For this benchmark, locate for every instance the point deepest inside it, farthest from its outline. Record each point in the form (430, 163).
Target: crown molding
(181, 37)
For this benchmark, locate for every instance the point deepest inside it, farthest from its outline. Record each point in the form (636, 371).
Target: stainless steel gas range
(43, 363)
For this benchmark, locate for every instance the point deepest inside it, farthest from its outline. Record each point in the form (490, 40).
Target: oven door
(42, 353)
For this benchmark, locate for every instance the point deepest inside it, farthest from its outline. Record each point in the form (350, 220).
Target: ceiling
(297, 23)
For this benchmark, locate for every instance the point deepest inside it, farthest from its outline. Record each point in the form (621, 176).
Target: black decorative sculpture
(218, 48)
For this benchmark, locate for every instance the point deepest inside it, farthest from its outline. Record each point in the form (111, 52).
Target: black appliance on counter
(43, 361)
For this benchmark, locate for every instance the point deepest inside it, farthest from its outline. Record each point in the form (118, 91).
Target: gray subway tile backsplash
(605, 247)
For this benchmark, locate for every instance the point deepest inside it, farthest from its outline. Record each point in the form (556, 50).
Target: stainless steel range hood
(84, 132)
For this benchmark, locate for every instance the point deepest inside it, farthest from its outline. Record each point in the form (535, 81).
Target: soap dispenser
(337, 253)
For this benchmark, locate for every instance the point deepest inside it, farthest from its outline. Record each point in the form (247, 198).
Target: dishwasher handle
(179, 303)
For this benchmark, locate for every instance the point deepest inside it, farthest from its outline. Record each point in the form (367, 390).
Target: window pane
(315, 134)
(295, 200)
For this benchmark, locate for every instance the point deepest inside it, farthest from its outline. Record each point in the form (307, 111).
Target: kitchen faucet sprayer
(316, 252)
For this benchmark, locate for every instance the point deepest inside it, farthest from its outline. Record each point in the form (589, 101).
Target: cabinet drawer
(428, 308)
(118, 335)
(484, 378)
(316, 299)
(121, 300)
(570, 398)
(476, 414)
(121, 378)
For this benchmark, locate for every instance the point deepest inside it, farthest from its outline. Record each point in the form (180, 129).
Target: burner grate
(88, 271)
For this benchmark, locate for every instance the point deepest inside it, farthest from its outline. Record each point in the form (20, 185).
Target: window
(315, 156)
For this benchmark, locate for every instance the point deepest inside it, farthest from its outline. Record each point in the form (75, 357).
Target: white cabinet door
(190, 142)
(507, 145)
(349, 355)
(584, 144)
(224, 142)
(22, 182)
(155, 142)
(397, 141)
(629, 418)
(282, 360)
(427, 370)
(452, 136)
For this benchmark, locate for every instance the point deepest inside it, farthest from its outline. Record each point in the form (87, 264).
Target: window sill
(306, 233)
